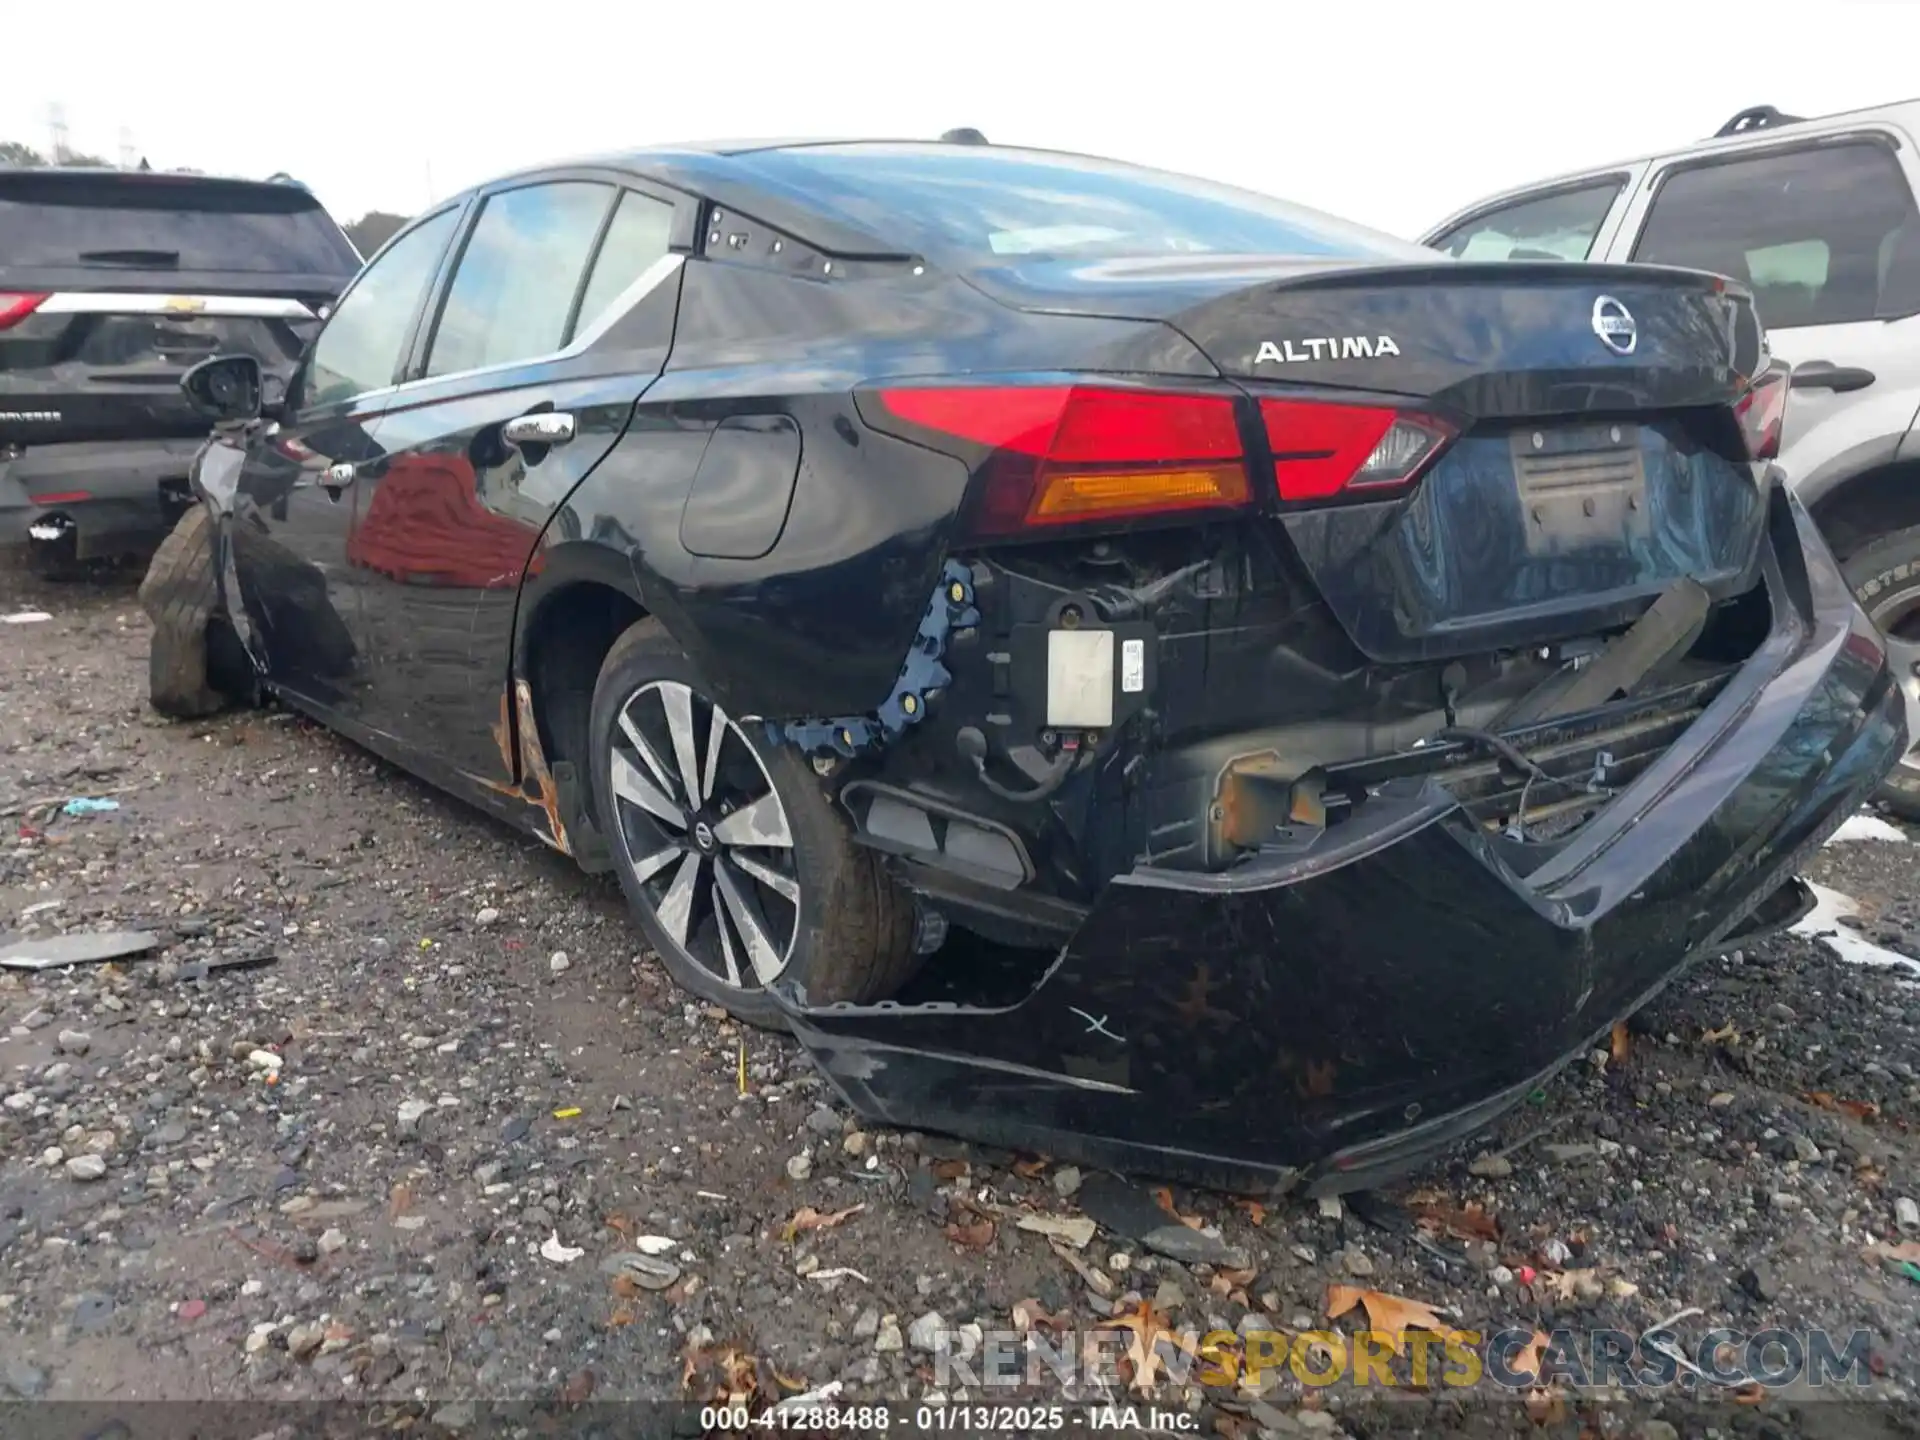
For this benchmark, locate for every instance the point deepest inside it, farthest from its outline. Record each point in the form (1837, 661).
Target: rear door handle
(336, 478)
(1825, 375)
(543, 427)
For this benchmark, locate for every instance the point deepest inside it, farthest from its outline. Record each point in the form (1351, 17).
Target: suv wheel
(1886, 577)
(737, 868)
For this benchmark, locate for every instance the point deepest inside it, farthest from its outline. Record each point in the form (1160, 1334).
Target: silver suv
(1818, 218)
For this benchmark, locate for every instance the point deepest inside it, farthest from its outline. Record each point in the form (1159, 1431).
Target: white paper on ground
(1867, 827)
(1823, 923)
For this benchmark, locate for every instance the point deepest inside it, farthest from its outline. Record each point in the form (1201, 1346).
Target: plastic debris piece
(567, 1112)
(1910, 1270)
(89, 805)
(25, 617)
(75, 948)
(654, 1244)
(552, 1249)
(201, 969)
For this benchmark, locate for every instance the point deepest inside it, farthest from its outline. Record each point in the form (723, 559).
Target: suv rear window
(68, 221)
(1556, 226)
(1000, 204)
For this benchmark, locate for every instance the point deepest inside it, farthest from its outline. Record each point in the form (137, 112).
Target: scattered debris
(25, 617)
(1389, 1315)
(654, 1244)
(1823, 923)
(1074, 1230)
(89, 805)
(552, 1249)
(807, 1218)
(1866, 827)
(76, 948)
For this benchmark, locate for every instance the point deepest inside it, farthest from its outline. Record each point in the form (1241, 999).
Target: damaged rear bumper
(1334, 1017)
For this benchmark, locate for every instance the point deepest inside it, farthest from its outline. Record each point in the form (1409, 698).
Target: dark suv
(112, 285)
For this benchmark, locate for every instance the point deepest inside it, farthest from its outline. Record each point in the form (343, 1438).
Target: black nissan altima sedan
(1117, 665)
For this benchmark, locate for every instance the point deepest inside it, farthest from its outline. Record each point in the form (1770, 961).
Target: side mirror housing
(227, 388)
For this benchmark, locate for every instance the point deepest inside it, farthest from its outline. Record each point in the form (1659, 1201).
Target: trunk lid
(1597, 455)
(115, 284)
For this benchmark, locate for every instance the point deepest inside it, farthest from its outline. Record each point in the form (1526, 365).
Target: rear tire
(1886, 578)
(181, 595)
(800, 900)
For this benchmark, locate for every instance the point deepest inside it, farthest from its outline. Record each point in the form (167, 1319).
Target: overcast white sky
(1391, 114)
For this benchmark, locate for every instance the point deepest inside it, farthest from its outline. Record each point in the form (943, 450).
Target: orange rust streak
(533, 766)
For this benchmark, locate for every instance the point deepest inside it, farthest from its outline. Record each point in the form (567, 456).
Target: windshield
(54, 220)
(990, 203)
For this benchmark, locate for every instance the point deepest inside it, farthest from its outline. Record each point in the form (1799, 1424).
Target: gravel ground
(333, 1175)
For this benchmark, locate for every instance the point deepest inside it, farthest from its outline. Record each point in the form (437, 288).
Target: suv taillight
(16, 305)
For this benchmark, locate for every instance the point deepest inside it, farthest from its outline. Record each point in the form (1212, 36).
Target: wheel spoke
(677, 700)
(726, 945)
(716, 736)
(632, 785)
(646, 752)
(753, 931)
(761, 823)
(768, 876)
(646, 868)
(676, 909)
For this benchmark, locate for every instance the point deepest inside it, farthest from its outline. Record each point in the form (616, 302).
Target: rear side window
(1006, 204)
(640, 235)
(1560, 226)
(1822, 234)
(65, 221)
(359, 350)
(513, 291)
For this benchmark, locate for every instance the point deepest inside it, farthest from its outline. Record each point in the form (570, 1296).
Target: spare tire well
(561, 650)
(1866, 507)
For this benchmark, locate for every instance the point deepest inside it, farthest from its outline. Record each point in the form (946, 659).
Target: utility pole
(57, 133)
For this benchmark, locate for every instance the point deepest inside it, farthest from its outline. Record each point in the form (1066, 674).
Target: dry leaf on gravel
(619, 1224)
(1881, 1250)
(1725, 1035)
(1145, 1327)
(1256, 1212)
(1859, 1109)
(1032, 1315)
(1163, 1197)
(1389, 1316)
(807, 1218)
(1463, 1222)
(1619, 1045)
(949, 1169)
(977, 1235)
(1031, 1169)
(1526, 1361)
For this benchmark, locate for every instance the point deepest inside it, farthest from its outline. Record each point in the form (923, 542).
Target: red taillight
(1067, 454)
(1763, 413)
(1321, 450)
(16, 305)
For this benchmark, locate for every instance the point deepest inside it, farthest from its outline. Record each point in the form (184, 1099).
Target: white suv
(1818, 218)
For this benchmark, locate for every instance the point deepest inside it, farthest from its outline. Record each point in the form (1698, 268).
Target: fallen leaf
(1468, 1222)
(1163, 1197)
(1235, 1427)
(1527, 1361)
(949, 1169)
(1620, 1043)
(1906, 1252)
(807, 1218)
(976, 1236)
(621, 1317)
(1145, 1327)
(399, 1201)
(794, 1383)
(1546, 1406)
(1751, 1393)
(1032, 1315)
(1724, 1035)
(1256, 1212)
(1075, 1230)
(1389, 1316)
(1031, 1169)
(1238, 1277)
(620, 1225)
(578, 1387)
(1859, 1109)
(626, 1287)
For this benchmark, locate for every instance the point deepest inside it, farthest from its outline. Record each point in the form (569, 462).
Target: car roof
(1710, 145)
(60, 173)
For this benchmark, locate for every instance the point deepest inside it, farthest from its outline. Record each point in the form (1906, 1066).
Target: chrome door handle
(336, 478)
(543, 427)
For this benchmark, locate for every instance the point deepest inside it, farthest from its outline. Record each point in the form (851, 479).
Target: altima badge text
(1326, 347)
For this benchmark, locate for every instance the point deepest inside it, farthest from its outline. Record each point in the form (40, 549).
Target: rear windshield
(1004, 203)
(119, 223)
